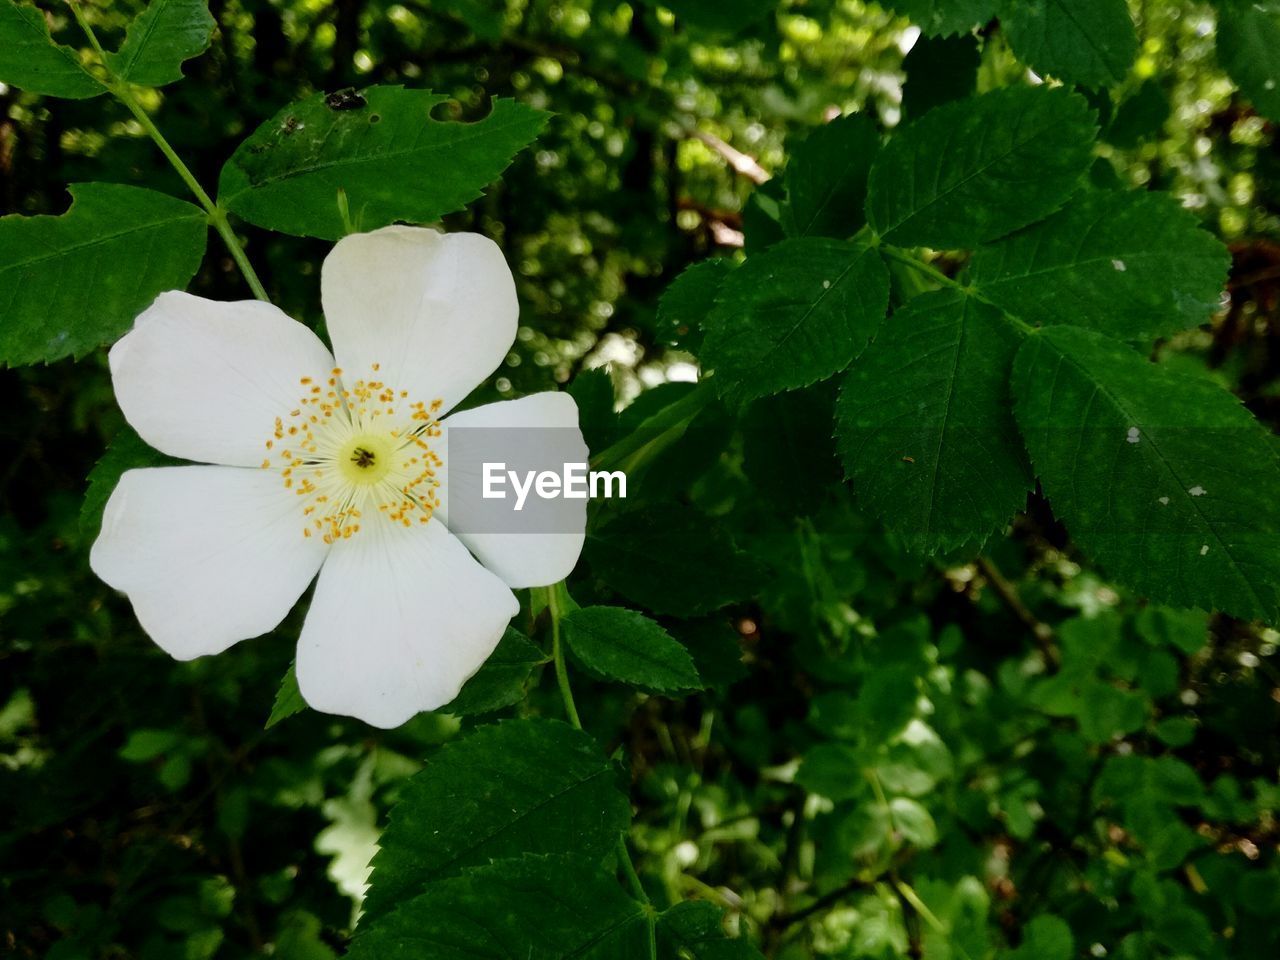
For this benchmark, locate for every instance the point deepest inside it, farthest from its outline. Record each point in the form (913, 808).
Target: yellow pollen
(363, 446)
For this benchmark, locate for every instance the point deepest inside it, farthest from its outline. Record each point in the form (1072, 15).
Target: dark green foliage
(990, 696)
(972, 171)
(925, 423)
(522, 786)
(1131, 265)
(672, 559)
(537, 909)
(167, 33)
(30, 59)
(77, 281)
(1131, 457)
(1089, 42)
(793, 315)
(369, 147)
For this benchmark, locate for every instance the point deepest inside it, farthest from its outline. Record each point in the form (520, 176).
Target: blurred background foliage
(1002, 757)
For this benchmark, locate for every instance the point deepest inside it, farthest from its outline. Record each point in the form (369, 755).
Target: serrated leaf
(160, 39)
(382, 148)
(1089, 42)
(71, 283)
(688, 300)
(535, 908)
(971, 171)
(826, 177)
(925, 427)
(31, 61)
(502, 680)
(1133, 265)
(694, 930)
(1248, 38)
(944, 17)
(288, 700)
(1164, 479)
(794, 314)
(671, 559)
(126, 451)
(521, 786)
(624, 645)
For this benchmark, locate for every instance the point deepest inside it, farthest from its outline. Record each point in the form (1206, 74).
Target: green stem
(915, 263)
(908, 259)
(217, 216)
(558, 601)
(665, 420)
(556, 593)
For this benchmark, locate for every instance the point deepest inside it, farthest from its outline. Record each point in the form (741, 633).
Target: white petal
(545, 433)
(400, 620)
(208, 556)
(437, 312)
(205, 380)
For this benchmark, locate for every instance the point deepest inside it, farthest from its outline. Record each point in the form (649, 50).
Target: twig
(1041, 632)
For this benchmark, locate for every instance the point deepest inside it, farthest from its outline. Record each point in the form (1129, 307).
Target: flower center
(356, 451)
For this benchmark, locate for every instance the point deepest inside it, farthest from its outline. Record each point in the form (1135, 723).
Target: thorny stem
(558, 600)
(217, 216)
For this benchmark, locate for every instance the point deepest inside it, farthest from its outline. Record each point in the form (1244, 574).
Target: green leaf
(536, 908)
(671, 559)
(30, 60)
(627, 646)
(694, 930)
(1248, 38)
(971, 171)
(503, 678)
(1133, 265)
(144, 745)
(1162, 478)
(71, 283)
(939, 70)
(826, 177)
(925, 427)
(834, 771)
(126, 451)
(1089, 42)
(288, 699)
(521, 786)
(160, 40)
(944, 17)
(913, 822)
(1045, 938)
(689, 299)
(794, 314)
(382, 148)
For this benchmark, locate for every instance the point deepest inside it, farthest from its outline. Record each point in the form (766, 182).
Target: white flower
(331, 464)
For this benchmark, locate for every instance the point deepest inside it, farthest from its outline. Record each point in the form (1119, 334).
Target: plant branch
(1009, 596)
(217, 216)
